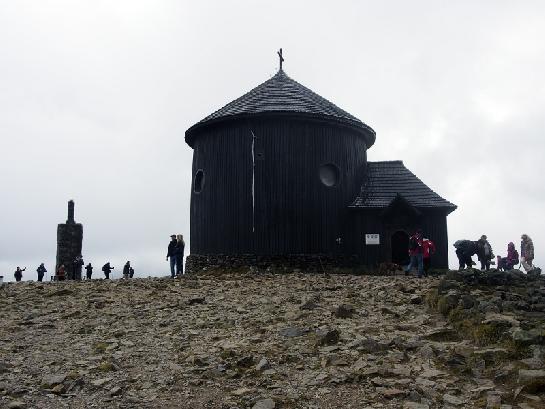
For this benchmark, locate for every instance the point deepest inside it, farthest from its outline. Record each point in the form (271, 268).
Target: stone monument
(69, 243)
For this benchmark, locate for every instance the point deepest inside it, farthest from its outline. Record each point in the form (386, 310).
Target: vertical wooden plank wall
(433, 223)
(294, 212)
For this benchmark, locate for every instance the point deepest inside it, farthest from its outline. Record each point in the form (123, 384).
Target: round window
(329, 174)
(198, 183)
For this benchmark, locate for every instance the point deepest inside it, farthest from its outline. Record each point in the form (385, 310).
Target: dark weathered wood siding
(294, 212)
(432, 221)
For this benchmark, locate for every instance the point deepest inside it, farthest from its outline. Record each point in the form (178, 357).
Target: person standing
(131, 272)
(126, 269)
(171, 252)
(428, 249)
(61, 273)
(89, 271)
(76, 267)
(484, 252)
(107, 268)
(179, 252)
(527, 252)
(41, 271)
(416, 254)
(18, 273)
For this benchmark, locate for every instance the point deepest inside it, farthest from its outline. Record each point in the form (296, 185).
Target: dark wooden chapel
(282, 172)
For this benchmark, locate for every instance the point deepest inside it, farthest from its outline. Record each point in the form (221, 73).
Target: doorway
(400, 247)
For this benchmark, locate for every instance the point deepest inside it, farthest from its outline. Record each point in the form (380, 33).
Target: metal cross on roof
(281, 58)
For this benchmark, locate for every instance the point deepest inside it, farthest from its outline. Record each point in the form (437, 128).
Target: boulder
(262, 365)
(265, 404)
(326, 336)
(452, 400)
(16, 404)
(344, 311)
(530, 375)
(50, 381)
(291, 332)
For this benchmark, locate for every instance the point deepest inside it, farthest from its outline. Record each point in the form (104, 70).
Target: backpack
(104, 267)
(458, 243)
(413, 243)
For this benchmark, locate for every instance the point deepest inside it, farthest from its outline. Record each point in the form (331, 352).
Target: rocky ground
(261, 341)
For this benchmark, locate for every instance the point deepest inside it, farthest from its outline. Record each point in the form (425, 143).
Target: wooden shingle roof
(281, 94)
(390, 179)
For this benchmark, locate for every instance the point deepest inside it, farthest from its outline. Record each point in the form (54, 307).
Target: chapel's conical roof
(283, 95)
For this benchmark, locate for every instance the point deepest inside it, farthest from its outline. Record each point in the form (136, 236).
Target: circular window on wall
(198, 183)
(329, 174)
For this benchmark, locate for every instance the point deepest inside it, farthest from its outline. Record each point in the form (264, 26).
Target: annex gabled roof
(389, 180)
(281, 94)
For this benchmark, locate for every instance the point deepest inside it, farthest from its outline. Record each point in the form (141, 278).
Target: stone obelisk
(69, 242)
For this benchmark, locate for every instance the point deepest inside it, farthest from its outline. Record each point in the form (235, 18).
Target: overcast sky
(95, 97)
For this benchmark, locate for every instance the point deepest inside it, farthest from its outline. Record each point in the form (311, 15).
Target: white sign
(372, 239)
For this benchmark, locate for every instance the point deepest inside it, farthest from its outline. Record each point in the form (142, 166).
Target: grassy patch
(486, 334)
(106, 366)
(443, 306)
(432, 299)
(100, 347)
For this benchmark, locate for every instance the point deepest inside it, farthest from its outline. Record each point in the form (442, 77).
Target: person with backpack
(526, 252)
(428, 249)
(18, 273)
(512, 259)
(107, 268)
(126, 269)
(41, 271)
(416, 254)
(465, 249)
(89, 270)
(484, 253)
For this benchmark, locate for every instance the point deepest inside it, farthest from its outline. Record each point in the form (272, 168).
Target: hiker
(89, 271)
(41, 271)
(126, 269)
(465, 249)
(131, 272)
(76, 267)
(179, 253)
(107, 268)
(484, 252)
(171, 253)
(428, 249)
(416, 253)
(61, 273)
(526, 252)
(18, 273)
(512, 259)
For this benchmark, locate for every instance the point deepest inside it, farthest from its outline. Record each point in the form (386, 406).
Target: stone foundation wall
(310, 263)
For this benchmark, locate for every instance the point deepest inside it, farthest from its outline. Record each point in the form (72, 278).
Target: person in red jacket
(416, 253)
(428, 248)
(61, 273)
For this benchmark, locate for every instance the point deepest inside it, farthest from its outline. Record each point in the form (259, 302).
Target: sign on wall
(371, 239)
